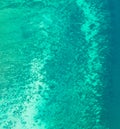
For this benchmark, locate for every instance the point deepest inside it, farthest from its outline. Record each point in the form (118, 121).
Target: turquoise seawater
(53, 64)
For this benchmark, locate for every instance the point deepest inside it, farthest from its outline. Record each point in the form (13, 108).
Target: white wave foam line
(26, 118)
(33, 96)
(92, 81)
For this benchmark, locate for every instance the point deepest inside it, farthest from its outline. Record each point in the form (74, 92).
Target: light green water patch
(26, 36)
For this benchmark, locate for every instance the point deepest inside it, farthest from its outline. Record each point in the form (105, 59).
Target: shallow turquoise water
(53, 64)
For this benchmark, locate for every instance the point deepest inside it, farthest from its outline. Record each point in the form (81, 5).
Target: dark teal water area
(114, 88)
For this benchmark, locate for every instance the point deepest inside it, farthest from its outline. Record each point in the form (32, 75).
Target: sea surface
(59, 64)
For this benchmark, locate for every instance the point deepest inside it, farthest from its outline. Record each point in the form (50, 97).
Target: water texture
(53, 63)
